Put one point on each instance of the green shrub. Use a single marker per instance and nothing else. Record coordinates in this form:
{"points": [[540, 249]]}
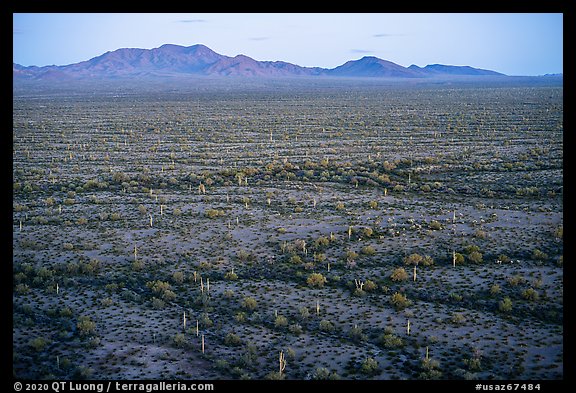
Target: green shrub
{"points": [[399, 274], [86, 327], [316, 280], [505, 305], [249, 303], [232, 340], [389, 340], [399, 301], [326, 326], [38, 343], [369, 366]]}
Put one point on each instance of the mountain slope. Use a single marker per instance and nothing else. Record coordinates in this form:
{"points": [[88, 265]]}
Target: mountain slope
{"points": [[441, 69], [370, 66], [198, 60]]}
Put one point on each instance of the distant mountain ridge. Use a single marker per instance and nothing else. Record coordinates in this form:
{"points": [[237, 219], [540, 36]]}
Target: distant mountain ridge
{"points": [[171, 60]]}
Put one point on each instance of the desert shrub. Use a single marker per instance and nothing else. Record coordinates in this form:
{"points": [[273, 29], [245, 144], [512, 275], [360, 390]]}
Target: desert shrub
{"points": [[162, 289], [413, 259], [275, 376], [373, 204], [505, 305], [22, 289], [430, 369], [559, 232], [457, 319], [303, 313], [369, 366], [503, 258], [435, 225], [244, 255], [339, 206], [178, 277], [475, 257], [495, 289], [316, 280], [158, 304], [399, 301], [530, 294], [249, 303], [232, 340], [368, 250], [539, 255], [213, 213], [326, 326], [142, 209], [179, 340], [480, 234], [356, 334], [205, 320], [38, 343], [367, 231], [459, 258], [295, 329], [389, 340], [295, 260], [515, 280], [322, 373], [427, 260], [370, 285], [231, 276], [321, 242], [86, 327], [351, 255], [399, 274], [280, 321], [471, 248]]}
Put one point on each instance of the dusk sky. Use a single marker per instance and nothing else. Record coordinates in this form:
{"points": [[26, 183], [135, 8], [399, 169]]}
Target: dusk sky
{"points": [[514, 44]]}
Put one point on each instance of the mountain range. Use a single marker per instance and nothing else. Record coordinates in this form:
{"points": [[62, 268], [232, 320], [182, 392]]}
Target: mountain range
{"points": [[198, 60]]}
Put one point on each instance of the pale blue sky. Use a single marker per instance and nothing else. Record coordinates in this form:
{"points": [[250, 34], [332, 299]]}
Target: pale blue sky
{"points": [[514, 44]]}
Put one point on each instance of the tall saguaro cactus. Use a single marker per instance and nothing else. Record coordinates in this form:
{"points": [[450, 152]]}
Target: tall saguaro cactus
{"points": [[282, 363]]}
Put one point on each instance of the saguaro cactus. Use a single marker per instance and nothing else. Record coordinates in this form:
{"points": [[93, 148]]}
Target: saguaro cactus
{"points": [[408, 328], [414, 272], [282, 363]]}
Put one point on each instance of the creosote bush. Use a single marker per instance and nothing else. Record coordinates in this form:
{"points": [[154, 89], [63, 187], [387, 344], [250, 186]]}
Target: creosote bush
{"points": [[316, 280], [399, 274]]}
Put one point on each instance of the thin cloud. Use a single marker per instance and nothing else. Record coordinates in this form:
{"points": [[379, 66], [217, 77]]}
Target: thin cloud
{"points": [[192, 20], [259, 38], [361, 51], [380, 35]]}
